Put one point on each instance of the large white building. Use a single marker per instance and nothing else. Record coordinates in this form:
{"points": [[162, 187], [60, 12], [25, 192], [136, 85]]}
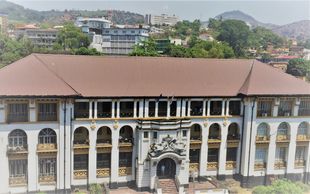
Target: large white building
{"points": [[70, 121], [162, 19]]}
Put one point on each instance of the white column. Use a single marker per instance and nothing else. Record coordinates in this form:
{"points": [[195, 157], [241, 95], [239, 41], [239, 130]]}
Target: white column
{"points": [[141, 108], [296, 107], [223, 107], [189, 107], [147, 108], [227, 107], [32, 160], [32, 111], [117, 109], [168, 108], [113, 109], [272, 149], [156, 109], [203, 152], [208, 110], [4, 162], [204, 111], [95, 108], [223, 151], [276, 107], [92, 157], [2, 111], [183, 108], [292, 149], [135, 109], [114, 158], [179, 108], [90, 109]]}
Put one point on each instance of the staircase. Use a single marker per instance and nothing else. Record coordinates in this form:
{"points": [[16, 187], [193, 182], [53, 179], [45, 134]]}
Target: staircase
{"points": [[168, 186]]}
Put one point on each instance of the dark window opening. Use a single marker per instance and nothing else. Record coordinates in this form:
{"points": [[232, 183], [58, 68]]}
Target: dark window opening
{"points": [[17, 112], [213, 155], [152, 108], [103, 160], [173, 109], [234, 107], [145, 134], [80, 162], [47, 112], [216, 107], [104, 109], [81, 110], [231, 154], [162, 108], [194, 155], [125, 159], [196, 108], [126, 109]]}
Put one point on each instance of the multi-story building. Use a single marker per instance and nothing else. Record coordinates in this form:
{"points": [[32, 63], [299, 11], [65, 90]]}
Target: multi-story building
{"points": [[162, 19], [70, 121], [3, 23]]}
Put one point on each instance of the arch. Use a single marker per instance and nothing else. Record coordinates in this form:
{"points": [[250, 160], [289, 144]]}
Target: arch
{"points": [[17, 138], [283, 129], [126, 134], [195, 132], [104, 135], [215, 131], [81, 136], [262, 130], [303, 129], [233, 131], [166, 168], [47, 136]]}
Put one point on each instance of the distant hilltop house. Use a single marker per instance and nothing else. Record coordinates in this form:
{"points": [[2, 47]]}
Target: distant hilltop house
{"points": [[206, 36], [162, 19], [3, 23], [39, 37], [112, 39]]}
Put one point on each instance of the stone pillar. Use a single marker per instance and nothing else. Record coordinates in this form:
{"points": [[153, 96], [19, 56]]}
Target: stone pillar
{"points": [[276, 107], [32, 111], [2, 111], [296, 106], [135, 109], [118, 109], [92, 156], [227, 108], [223, 107], [114, 158], [183, 107], [189, 107], [203, 152], [141, 108], [292, 149], [272, 149], [208, 110], [179, 108], [113, 108], [168, 108], [156, 108], [32, 139], [95, 109], [204, 111], [223, 151], [90, 109]]}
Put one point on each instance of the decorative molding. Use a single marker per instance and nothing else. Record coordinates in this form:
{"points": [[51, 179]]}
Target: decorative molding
{"points": [[168, 144]]}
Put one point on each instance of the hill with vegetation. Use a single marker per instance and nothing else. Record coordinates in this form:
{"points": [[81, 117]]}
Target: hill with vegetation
{"points": [[19, 14]]}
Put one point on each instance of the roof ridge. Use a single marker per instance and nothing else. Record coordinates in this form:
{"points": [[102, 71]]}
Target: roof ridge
{"points": [[246, 84], [55, 74]]}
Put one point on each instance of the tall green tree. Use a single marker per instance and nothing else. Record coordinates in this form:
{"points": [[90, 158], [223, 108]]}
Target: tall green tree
{"points": [[299, 67], [145, 48]]}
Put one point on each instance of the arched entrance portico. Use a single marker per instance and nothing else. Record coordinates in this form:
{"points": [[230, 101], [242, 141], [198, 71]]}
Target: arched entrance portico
{"points": [[166, 168]]}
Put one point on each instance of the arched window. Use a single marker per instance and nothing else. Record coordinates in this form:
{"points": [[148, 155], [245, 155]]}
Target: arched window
{"points": [[47, 136], [104, 135], [18, 138], [81, 136], [233, 131], [303, 129], [283, 129], [126, 134], [195, 132], [262, 130], [215, 131]]}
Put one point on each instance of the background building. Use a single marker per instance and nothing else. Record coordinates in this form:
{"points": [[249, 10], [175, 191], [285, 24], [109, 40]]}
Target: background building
{"points": [[163, 19], [3, 23]]}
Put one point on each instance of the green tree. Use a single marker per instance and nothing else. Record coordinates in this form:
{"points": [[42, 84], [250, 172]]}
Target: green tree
{"points": [[145, 48], [299, 67], [71, 37], [96, 189], [87, 51], [279, 187], [236, 34]]}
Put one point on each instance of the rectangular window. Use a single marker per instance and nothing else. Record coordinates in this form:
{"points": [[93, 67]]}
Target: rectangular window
{"points": [[232, 154], [173, 109], [47, 167], [125, 159], [17, 112], [234, 107], [81, 110], [145, 135], [216, 107], [80, 162], [184, 133], [18, 168], [162, 108], [281, 154], [300, 153], [261, 155], [137, 109], [196, 108], [285, 107], [154, 135], [264, 107], [304, 107], [103, 160], [104, 109], [47, 112], [126, 109], [213, 155], [194, 155]]}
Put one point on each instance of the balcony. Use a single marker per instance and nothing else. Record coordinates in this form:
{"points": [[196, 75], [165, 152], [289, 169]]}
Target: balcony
{"points": [[283, 138], [303, 138], [195, 141], [262, 139], [260, 166], [17, 117], [81, 114], [280, 164], [233, 140], [104, 143], [23, 149], [103, 172], [230, 165], [300, 163], [104, 115], [263, 113], [212, 166], [126, 142], [124, 171], [214, 140], [80, 174], [18, 181], [52, 147], [47, 179], [47, 116], [193, 167], [80, 144]]}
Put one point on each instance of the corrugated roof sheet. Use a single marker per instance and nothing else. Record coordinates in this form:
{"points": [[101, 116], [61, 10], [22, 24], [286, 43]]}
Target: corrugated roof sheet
{"points": [[92, 76]]}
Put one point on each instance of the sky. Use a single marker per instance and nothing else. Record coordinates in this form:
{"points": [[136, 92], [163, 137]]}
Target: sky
{"points": [[274, 11]]}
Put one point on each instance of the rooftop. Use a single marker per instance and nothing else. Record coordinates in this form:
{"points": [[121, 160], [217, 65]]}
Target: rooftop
{"points": [[110, 76]]}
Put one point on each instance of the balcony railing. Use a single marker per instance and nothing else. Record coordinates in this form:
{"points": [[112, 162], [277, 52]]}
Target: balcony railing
{"points": [[230, 165], [126, 114], [260, 165], [279, 164], [264, 113], [285, 113], [17, 117], [304, 112], [50, 147], [300, 163], [18, 180], [80, 174], [124, 171], [212, 165], [283, 138], [47, 178], [81, 144], [216, 111], [214, 139], [196, 113], [126, 142], [104, 115], [262, 139], [193, 167], [47, 116], [17, 149], [303, 138], [235, 137], [103, 172], [81, 114]]}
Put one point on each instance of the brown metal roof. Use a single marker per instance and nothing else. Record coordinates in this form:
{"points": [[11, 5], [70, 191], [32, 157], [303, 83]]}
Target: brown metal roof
{"points": [[91, 76]]}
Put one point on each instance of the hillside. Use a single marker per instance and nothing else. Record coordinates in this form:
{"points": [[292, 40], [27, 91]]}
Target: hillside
{"points": [[18, 14]]}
